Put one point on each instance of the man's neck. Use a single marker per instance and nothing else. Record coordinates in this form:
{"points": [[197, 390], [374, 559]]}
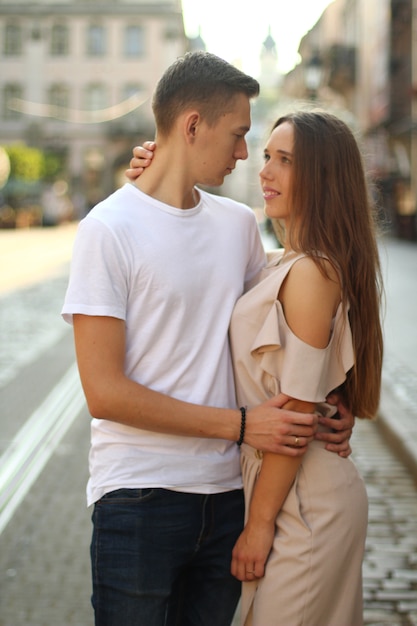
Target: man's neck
{"points": [[168, 180]]}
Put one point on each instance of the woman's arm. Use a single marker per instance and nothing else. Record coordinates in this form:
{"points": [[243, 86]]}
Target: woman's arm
{"points": [[276, 476], [309, 301]]}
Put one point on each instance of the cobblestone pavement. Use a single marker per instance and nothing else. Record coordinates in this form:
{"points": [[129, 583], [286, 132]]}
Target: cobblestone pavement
{"points": [[390, 565], [30, 324], [44, 562]]}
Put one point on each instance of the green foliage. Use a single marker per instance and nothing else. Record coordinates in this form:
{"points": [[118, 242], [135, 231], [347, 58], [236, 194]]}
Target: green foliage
{"points": [[52, 165], [26, 164]]}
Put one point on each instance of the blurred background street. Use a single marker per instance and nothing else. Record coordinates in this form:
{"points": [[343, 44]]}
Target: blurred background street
{"points": [[76, 84]]}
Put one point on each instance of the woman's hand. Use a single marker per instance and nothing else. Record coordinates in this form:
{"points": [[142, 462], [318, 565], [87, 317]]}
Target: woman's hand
{"points": [[142, 157], [342, 427], [252, 550]]}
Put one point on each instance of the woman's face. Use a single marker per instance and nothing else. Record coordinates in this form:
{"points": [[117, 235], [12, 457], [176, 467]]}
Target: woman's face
{"points": [[276, 174]]}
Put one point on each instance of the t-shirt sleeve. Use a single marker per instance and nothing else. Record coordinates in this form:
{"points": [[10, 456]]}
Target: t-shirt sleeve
{"points": [[303, 372], [98, 275]]}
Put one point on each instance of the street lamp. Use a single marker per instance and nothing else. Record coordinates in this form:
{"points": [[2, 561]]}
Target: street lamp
{"points": [[312, 75]]}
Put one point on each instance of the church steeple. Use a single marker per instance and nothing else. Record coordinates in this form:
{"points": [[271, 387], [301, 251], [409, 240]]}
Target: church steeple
{"points": [[269, 46]]}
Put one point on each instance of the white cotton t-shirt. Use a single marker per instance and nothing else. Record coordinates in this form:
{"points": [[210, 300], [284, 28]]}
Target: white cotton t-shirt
{"points": [[174, 276]]}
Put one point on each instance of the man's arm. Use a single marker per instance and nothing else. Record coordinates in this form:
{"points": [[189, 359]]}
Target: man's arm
{"points": [[100, 347]]}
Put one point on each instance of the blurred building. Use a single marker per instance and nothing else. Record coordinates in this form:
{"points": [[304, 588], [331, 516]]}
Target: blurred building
{"points": [[77, 77], [360, 59]]}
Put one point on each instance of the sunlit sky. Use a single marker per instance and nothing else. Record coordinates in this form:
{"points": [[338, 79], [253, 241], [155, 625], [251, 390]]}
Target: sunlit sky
{"points": [[235, 29]]}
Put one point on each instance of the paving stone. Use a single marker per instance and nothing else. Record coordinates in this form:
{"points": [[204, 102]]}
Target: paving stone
{"points": [[394, 584], [382, 618], [412, 618], [410, 575], [397, 596], [407, 607]]}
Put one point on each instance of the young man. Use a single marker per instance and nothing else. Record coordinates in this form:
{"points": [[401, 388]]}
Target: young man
{"points": [[157, 268]]}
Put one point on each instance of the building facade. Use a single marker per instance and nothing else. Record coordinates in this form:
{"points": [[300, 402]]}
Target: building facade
{"points": [[367, 53], [77, 77]]}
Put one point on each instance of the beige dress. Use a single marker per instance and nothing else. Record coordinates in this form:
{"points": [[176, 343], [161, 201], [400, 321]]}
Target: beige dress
{"points": [[313, 574]]}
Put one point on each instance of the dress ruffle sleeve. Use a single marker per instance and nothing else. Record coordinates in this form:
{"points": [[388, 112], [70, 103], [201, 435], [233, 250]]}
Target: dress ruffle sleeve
{"points": [[303, 372]]}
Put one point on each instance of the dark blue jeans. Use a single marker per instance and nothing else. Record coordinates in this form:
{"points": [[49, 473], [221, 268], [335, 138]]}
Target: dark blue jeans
{"points": [[162, 558]]}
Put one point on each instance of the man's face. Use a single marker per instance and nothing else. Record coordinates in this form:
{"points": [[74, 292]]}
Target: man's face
{"points": [[219, 147]]}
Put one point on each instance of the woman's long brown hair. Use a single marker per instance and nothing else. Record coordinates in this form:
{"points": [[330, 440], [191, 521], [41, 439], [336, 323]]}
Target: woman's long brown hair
{"points": [[332, 214]]}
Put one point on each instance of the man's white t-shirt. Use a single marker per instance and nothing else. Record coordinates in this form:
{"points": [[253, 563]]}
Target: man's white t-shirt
{"points": [[174, 276]]}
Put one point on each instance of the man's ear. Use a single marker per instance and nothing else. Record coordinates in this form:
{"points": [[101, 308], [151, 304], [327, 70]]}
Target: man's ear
{"points": [[191, 125]]}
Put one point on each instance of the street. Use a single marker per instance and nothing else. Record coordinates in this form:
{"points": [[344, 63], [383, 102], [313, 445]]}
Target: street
{"points": [[44, 522]]}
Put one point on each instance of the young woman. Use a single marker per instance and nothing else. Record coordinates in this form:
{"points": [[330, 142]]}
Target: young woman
{"points": [[310, 326]]}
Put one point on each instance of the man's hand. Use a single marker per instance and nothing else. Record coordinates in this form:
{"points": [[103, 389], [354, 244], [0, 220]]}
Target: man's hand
{"points": [[142, 158], [342, 426], [272, 429]]}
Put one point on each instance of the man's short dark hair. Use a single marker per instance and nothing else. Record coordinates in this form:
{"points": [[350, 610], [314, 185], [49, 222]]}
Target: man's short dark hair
{"points": [[203, 80]]}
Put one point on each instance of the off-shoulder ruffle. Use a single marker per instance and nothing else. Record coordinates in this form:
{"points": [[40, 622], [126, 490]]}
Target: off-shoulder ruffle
{"points": [[306, 373]]}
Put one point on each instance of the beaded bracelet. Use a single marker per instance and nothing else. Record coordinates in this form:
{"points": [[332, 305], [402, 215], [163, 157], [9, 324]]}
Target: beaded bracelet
{"points": [[242, 426]]}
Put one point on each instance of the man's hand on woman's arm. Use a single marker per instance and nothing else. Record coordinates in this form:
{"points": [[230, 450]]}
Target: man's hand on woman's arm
{"points": [[290, 435]]}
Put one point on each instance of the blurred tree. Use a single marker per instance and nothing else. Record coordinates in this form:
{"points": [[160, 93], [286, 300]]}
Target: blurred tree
{"points": [[24, 185], [31, 169], [53, 165], [26, 164]]}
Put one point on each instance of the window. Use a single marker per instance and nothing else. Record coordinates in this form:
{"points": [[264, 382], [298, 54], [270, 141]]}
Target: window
{"points": [[12, 40], [59, 40], [96, 41], [11, 92], [59, 98], [95, 97], [134, 41]]}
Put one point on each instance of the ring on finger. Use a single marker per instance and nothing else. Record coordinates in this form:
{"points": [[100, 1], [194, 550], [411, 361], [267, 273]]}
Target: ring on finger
{"points": [[297, 440]]}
